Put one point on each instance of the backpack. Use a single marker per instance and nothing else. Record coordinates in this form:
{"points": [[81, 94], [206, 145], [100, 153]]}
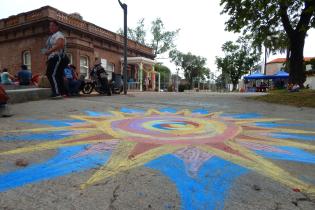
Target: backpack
{"points": [[65, 60]]}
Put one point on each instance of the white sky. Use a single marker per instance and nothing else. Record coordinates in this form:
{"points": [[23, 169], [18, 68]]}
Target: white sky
{"points": [[202, 27]]}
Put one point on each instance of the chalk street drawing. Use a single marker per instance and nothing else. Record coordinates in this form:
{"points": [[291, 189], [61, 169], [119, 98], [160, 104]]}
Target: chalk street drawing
{"points": [[201, 152]]}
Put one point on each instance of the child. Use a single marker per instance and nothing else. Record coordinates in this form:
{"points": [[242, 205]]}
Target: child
{"points": [[6, 77]]}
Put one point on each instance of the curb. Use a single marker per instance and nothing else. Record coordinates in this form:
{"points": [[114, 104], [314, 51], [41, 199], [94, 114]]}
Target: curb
{"points": [[29, 94]]}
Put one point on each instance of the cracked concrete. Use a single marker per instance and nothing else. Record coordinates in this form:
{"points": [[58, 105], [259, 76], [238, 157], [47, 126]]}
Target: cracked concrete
{"points": [[143, 188]]}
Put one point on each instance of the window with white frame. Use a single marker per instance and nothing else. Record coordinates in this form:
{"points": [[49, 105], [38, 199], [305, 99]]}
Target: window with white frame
{"points": [[27, 59], [84, 66], [110, 67], [70, 57]]}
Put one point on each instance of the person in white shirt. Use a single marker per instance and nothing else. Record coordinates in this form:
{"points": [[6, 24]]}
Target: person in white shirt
{"points": [[55, 50], [295, 88]]}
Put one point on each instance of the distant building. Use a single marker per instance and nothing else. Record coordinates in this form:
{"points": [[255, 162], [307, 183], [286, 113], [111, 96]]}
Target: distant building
{"points": [[278, 63], [23, 35]]}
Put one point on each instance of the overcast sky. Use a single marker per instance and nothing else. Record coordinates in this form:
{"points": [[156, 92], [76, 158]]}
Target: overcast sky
{"points": [[202, 27]]}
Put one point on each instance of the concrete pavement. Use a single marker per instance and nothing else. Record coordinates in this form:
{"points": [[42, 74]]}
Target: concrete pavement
{"points": [[223, 151]]}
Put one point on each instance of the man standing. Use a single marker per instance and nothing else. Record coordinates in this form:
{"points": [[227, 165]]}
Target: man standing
{"points": [[55, 64]]}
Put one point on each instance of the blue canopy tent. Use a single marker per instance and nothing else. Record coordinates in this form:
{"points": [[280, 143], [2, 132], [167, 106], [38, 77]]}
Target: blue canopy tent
{"points": [[280, 75], [257, 76], [280, 79]]}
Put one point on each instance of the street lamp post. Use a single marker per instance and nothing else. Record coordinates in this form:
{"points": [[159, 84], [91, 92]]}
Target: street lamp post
{"points": [[265, 64], [124, 7], [177, 70]]}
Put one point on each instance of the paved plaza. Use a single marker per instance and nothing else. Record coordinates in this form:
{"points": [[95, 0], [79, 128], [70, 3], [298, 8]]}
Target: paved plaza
{"points": [[157, 151]]}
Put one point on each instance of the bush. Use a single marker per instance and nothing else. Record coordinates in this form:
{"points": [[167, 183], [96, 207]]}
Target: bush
{"points": [[183, 87]]}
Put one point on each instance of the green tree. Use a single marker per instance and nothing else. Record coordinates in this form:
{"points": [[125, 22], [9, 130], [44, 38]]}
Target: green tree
{"points": [[165, 74], [266, 18], [138, 34], [238, 60], [193, 66], [162, 40], [220, 81]]}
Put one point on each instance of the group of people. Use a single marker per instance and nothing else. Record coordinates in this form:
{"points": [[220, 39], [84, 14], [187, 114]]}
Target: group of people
{"points": [[23, 77], [62, 77]]}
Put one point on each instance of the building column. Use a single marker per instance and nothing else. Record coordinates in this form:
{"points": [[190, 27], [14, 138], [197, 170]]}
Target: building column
{"points": [[140, 75], [159, 81], [153, 78]]}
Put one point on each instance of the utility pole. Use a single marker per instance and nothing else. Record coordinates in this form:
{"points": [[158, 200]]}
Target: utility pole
{"points": [[124, 7]]}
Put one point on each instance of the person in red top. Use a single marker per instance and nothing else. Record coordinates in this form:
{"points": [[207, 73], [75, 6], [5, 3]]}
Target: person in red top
{"points": [[4, 110]]}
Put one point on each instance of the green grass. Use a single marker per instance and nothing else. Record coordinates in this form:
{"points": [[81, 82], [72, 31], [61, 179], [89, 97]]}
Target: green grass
{"points": [[304, 98]]}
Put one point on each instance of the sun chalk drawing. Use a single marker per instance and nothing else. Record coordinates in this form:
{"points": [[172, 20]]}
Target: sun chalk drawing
{"points": [[292, 136], [60, 165], [97, 114], [55, 123], [193, 159], [201, 152], [208, 188]]}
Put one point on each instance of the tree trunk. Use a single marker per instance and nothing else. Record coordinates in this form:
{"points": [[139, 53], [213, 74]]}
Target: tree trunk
{"points": [[191, 83], [234, 85], [288, 53], [296, 62]]}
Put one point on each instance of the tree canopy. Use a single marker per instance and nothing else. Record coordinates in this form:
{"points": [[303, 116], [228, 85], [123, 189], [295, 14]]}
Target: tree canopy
{"points": [[194, 66], [239, 58], [162, 39], [277, 24], [138, 34]]}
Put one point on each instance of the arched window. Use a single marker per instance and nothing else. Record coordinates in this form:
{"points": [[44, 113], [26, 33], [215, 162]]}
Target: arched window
{"points": [[84, 66], [70, 57], [27, 59]]}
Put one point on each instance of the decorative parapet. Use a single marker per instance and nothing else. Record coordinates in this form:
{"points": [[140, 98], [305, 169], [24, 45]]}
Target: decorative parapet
{"points": [[100, 31], [22, 18], [12, 21], [65, 18], [93, 29], [52, 13], [34, 15]]}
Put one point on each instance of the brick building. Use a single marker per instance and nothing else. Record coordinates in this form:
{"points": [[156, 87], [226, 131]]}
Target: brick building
{"points": [[23, 35], [278, 63]]}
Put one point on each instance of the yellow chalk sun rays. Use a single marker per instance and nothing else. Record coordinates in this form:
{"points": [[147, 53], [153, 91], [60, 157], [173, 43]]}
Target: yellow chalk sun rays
{"points": [[120, 160]]}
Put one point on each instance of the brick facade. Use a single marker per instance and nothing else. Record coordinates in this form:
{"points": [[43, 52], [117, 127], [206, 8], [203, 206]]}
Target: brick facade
{"points": [[29, 32]]}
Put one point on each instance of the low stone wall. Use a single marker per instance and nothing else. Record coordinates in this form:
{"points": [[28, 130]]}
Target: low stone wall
{"points": [[310, 80], [28, 94]]}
